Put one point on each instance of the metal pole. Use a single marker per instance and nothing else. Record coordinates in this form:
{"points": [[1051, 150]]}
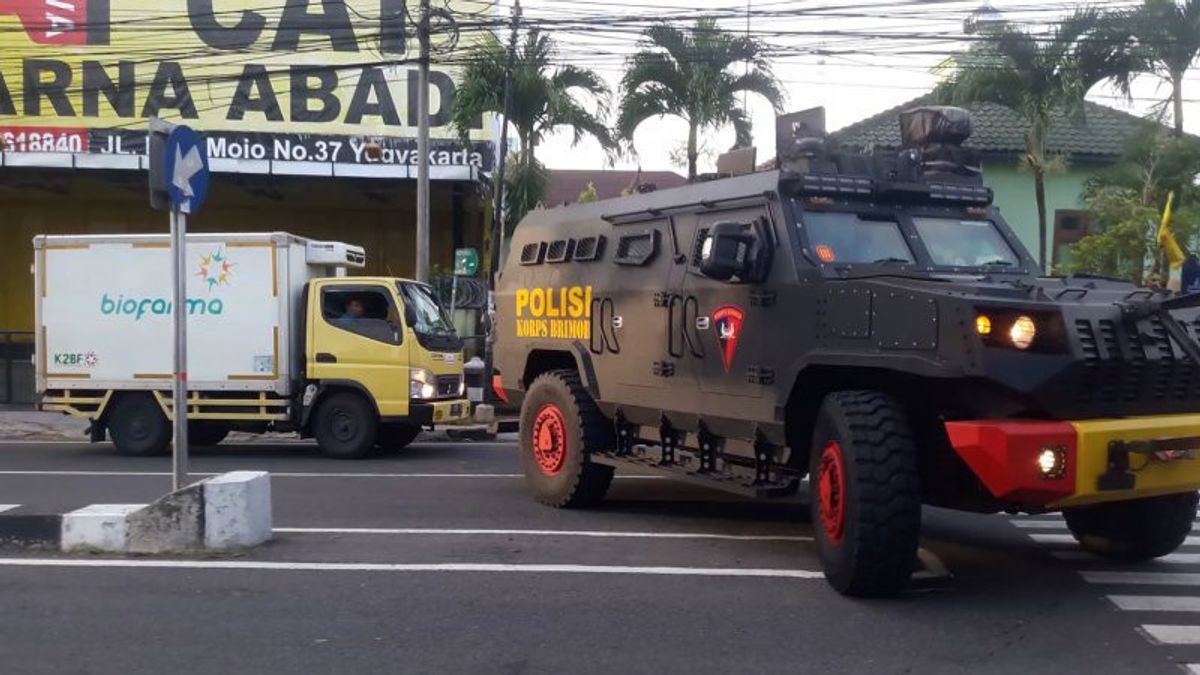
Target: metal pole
{"points": [[498, 206], [179, 379], [423, 147]]}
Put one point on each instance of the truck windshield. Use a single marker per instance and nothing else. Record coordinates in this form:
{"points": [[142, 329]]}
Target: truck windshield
{"points": [[850, 238], [965, 243], [427, 318]]}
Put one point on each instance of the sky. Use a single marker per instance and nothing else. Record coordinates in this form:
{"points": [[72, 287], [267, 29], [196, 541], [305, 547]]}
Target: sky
{"points": [[856, 59]]}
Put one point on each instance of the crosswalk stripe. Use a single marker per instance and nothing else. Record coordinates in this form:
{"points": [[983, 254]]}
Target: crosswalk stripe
{"points": [[1156, 603], [1169, 559], [8, 507], [1068, 539], [1041, 524], [1143, 578], [1192, 668], [1172, 635]]}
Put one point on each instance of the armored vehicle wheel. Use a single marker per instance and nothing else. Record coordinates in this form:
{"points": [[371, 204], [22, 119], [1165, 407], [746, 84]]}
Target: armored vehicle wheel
{"points": [[138, 426], [206, 434], [560, 424], [345, 426], [1135, 530], [866, 500], [397, 436]]}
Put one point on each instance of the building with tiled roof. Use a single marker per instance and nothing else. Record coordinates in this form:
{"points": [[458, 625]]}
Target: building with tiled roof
{"points": [[1087, 146]]}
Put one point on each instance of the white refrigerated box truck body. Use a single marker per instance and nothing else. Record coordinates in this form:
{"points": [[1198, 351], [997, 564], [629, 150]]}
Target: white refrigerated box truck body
{"points": [[104, 309]]}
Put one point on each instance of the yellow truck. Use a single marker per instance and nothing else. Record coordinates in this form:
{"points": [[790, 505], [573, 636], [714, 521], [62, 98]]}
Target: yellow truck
{"points": [[280, 339]]}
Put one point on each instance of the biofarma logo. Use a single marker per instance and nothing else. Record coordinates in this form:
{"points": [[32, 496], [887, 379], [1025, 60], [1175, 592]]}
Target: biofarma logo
{"points": [[215, 271]]}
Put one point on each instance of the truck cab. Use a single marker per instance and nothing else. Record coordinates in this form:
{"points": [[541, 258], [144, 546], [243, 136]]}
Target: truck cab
{"points": [[279, 339], [864, 331]]}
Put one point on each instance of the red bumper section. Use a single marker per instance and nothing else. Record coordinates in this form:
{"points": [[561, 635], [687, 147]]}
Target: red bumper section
{"points": [[1005, 456]]}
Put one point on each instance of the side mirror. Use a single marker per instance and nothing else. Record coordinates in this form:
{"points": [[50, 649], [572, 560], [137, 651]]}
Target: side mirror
{"points": [[725, 254]]}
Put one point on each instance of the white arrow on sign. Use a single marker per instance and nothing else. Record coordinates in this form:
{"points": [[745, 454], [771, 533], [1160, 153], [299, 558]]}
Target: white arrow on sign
{"points": [[185, 168]]}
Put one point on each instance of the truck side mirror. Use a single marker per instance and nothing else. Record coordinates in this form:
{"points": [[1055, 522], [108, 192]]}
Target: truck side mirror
{"points": [[725, 254]]}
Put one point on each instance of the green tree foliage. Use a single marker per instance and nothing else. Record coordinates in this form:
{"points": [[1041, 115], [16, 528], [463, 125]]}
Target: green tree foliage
{"points": [[1161, 38], [589, 195], [699, 75], [1125, 203], [1035, 75], [543, 100]]}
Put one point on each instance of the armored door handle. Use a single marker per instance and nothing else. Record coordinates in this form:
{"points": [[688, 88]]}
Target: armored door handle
{"points": [[324, 357], [703, 323]]}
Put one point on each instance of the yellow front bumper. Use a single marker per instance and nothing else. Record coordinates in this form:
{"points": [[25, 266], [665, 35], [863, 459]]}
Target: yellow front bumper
{"points": [[1150, 476], [441, 412]]}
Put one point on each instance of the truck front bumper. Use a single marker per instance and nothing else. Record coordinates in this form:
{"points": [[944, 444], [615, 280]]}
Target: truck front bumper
{"points": [[1063, 464], [439, 412]]}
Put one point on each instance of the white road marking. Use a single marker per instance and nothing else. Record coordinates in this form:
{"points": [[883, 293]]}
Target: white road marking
{"points": [[1192, 668], [1172, 635], [1040, 524], [538, 533], [1068, 539], [294, 474], [1143, 578], [1156, 603], [389, 567], [8, 507], [1169, 559]]}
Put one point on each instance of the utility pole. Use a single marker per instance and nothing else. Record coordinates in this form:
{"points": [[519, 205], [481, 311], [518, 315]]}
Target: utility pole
{"points": [[423, 146], [498, 193]]}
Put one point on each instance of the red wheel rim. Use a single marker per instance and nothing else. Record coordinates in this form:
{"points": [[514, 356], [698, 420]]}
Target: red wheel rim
{"points": [[831, 492], [550, 439]]}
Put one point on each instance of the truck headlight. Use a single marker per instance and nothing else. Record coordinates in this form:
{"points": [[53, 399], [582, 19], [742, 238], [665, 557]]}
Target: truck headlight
{"points": [[1022, 333], [422, 384]]}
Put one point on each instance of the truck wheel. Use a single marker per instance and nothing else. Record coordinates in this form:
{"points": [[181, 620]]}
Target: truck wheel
{"points": [[866, 498], [206, 434], [560, 425], [138, 427], [1136, 530], [345, 426], [397, 436]]}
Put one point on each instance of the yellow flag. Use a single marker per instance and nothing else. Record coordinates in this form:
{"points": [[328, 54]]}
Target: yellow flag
{"points": [[1166, 238]]}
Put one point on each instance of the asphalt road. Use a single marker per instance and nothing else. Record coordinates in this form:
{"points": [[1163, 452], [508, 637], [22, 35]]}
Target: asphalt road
{"points": [[433, 560]]}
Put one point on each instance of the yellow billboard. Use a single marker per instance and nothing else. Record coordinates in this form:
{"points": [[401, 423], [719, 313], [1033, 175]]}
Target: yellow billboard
{"points": [[280, 80]]}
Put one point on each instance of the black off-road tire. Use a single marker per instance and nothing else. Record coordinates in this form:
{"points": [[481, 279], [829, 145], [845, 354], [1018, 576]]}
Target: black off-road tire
{"points": [[1137, 530], [138, 427], [396, 436], [560, 411], [868, 547], [206, 434], [345, 426]]}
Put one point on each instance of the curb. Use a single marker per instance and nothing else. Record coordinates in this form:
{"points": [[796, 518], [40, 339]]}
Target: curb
{"points": [[230, 511]]}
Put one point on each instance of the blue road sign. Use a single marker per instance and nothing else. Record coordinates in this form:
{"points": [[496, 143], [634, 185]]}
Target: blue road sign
{"points": [[186, 169]]}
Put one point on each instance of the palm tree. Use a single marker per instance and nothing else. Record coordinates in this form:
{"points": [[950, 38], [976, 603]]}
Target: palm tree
{"points": [[1039, 76], [691, 74], [1163, 39], [543, 100]]}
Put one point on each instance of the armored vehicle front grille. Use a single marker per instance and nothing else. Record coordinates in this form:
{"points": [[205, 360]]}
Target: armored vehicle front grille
{"points": [[1125, 363]]}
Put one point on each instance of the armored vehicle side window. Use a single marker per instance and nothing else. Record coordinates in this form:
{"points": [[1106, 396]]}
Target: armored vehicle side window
{"points": [[965, 243], [849, 238], [366, 311], [637, 248], [533, 254]]}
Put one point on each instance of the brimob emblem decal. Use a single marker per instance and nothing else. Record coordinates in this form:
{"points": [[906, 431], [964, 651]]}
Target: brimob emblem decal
{"points": [[728, 320]]}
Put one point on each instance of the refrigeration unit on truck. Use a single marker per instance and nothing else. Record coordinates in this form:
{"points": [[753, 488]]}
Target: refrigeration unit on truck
{"points": [[279, 339]]}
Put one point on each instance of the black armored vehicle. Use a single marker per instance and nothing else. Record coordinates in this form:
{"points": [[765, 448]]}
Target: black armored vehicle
{"points": [[869, 322]]}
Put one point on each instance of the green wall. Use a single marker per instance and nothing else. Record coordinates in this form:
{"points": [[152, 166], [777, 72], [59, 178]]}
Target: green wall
{"points": [[1015, 197]]}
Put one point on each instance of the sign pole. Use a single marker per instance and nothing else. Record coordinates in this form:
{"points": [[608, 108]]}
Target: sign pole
{"points": [[179, 380]]}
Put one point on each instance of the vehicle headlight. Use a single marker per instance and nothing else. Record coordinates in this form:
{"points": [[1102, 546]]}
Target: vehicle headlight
{"points": [[422, 384], [1022, 333]]}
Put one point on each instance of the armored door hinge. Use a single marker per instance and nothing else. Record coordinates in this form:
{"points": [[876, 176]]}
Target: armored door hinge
{"points": [[760, 375], [662, 299], [762, 298], [664, 369]]}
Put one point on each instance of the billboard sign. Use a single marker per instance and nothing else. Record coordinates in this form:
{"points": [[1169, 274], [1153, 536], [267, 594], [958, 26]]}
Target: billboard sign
{"points": [[295, 81]]}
